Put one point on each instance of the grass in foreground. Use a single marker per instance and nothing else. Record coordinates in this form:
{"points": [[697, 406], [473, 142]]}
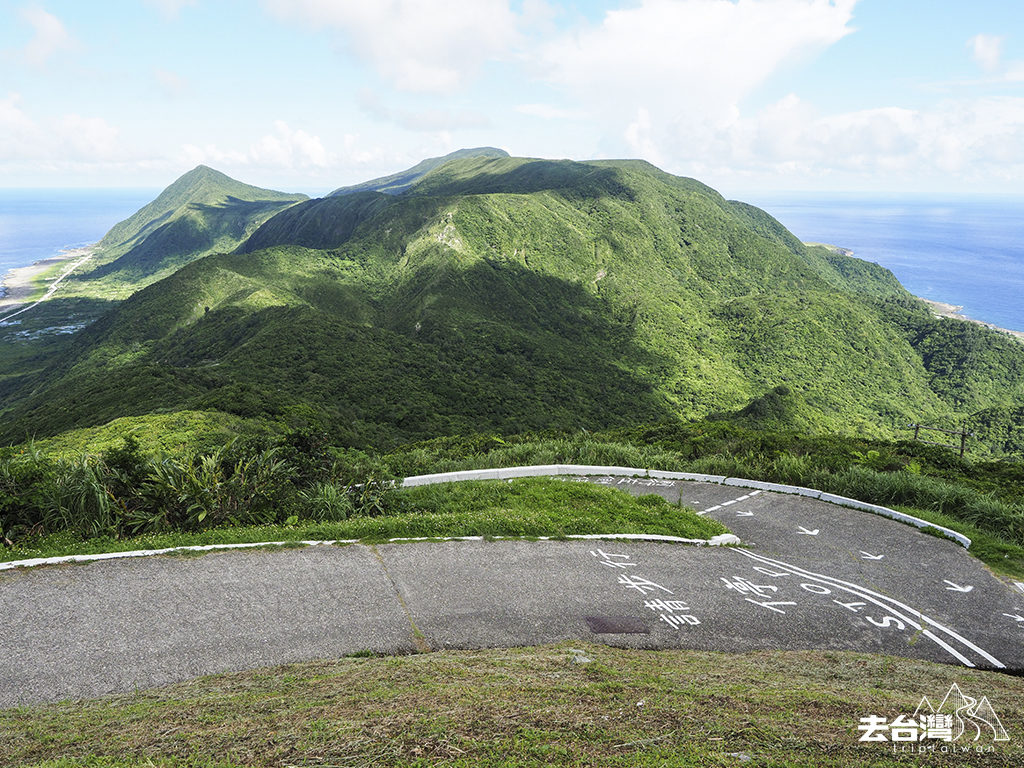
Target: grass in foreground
{"points": [[524, 507], [518, 707]]}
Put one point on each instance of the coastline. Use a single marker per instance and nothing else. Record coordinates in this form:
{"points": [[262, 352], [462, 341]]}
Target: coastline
{"points": [[938, 308], [952, 311], [21, 284]]}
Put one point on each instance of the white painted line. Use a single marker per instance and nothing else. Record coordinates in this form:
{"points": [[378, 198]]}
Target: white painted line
{"points": [[953, 587], [939, 641], [877, 599], [721, 539], [167, 550]]}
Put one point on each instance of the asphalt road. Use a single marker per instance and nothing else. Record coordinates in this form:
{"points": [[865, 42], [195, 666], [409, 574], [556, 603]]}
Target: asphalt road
{"points": [[813, 575]]}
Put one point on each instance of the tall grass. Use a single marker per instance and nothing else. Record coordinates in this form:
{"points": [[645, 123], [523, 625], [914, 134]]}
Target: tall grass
{"points": [[123, 492], [300, 477]]}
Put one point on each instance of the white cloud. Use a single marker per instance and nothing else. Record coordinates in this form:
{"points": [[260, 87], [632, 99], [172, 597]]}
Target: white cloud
{"points": [[49, 36], [970, 140], [170, 8], [285, 148], [549, 112], [87, 138], [14, 123], [987, 51], [418, 45], [171, 84], [687, 59], [290, 148], [639, 139], [65, 141], [428, 119]]}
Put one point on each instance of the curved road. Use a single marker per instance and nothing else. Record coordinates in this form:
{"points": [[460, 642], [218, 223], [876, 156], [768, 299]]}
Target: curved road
{"points": [[813, 575]]}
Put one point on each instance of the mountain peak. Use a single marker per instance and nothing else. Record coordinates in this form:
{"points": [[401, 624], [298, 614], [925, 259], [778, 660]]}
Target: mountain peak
{"points": [[397, 183], [202, 185]]}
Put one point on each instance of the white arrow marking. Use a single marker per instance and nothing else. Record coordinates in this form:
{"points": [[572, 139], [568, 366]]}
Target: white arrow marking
{"points": [[1015, 616], [956, 587], [809, 533], [869, 556], [744, 514]]}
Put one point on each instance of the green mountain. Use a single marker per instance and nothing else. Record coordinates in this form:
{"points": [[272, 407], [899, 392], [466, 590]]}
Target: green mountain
{"points": [[514, 295], [202, 212], [399, 182]]}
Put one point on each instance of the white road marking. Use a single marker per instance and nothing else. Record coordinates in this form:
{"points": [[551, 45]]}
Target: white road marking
{"points": [[769, 605], [729, 503], [854, 606], [953, 587], [744, 514], [869, 556], [1020, 585], [807, 532], [1015, 616], [877, 599]]}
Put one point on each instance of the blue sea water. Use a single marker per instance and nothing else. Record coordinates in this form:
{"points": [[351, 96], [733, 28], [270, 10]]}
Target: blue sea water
{"points": [[38, 223], [968, 252]]}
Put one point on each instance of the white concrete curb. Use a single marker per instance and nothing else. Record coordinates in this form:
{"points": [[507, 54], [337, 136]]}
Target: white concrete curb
{"points": [[542, 470], [722, 539], [658, 474]]}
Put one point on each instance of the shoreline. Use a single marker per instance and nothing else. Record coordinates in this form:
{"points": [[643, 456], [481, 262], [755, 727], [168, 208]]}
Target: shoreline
{"points": [[20, 284], [952, 311], [938, 308]]}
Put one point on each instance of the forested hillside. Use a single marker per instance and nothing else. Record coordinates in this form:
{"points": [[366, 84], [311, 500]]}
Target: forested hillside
{"points": [[202, 212], [506, 294]]}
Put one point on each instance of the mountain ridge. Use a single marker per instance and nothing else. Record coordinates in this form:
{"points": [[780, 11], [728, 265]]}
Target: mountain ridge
{"points": [[201, 212], [524, 294], [397, 183]]}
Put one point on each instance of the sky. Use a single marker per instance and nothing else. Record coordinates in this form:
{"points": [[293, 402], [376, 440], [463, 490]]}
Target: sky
{"points": [[875, 96]]}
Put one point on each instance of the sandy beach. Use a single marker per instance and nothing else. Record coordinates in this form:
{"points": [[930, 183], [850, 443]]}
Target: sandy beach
{"points": [[18, 285]]}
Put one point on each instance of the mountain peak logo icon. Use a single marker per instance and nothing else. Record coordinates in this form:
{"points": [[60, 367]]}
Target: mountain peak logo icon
{"points": [[971, 717]]}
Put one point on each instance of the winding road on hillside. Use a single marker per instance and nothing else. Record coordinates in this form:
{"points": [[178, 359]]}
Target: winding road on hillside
{"points": [[812, 575]]}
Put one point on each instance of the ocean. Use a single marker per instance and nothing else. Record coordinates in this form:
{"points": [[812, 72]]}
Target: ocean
{"points": [[38, 223], [968, 252]]}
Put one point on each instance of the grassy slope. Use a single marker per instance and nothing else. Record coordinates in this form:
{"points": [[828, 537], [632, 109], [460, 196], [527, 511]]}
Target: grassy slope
{"points": [[202, 212], [517, 707], [522, 508]]}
